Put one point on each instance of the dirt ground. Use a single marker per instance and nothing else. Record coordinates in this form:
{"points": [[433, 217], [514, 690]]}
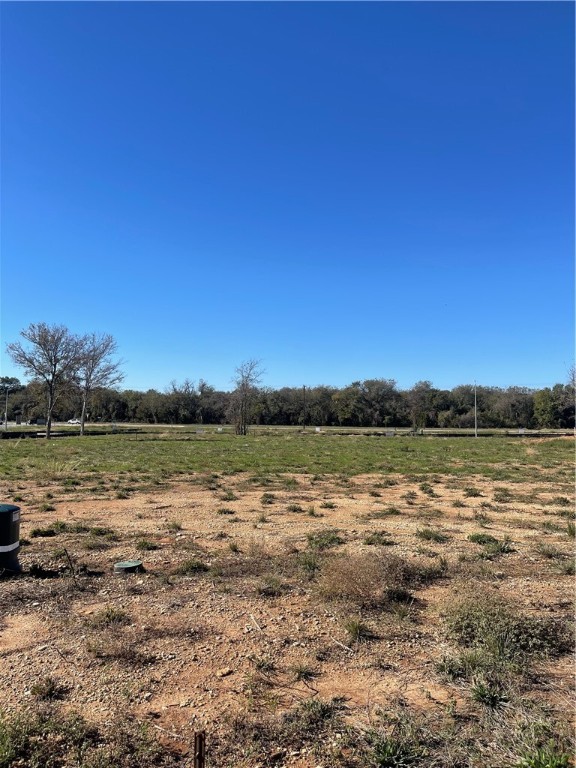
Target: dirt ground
{"points": [[243, 629]]}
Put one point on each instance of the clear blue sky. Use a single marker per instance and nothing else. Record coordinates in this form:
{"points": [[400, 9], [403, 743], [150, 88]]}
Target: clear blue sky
{"points": [[342, 190]]}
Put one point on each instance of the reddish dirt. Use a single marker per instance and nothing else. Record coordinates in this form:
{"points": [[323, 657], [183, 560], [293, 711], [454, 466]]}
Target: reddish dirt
{"points": [[194, 648]]}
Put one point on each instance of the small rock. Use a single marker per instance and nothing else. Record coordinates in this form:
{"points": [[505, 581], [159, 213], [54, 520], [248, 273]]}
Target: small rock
{"points": [[224, 672]]}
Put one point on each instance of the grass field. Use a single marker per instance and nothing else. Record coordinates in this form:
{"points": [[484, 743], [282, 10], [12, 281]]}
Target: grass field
{"points": [[332, 599], [168, 453]]}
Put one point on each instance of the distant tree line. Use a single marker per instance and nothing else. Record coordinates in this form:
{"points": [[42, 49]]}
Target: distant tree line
{"points": [[75, 376], [371, 403]]}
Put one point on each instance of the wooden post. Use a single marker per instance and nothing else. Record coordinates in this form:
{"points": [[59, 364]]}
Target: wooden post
{"points": [[200, 749]]}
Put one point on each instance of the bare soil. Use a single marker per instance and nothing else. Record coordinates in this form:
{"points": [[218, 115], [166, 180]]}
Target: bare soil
{"points": [[252, 632]]}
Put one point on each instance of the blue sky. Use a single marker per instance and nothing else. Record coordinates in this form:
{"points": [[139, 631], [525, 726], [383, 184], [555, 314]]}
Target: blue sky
{"points": [[341, 190]]}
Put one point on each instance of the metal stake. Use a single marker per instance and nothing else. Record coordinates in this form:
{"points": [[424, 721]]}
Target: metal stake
{"points": [[200, 749]]}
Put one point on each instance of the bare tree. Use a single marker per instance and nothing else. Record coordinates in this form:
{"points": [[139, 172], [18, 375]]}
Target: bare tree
{"points": [[247, 379], [97, 368], [52, 355]]}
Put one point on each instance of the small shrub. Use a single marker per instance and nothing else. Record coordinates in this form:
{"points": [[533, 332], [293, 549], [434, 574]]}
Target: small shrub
{"points": [[388, 482], [267, 498], [45, 507], [36, 533], [95, 543], [565, 567], [465, 666], [489, 692], [271, 586], [144, 545], [410, 497], [393, 752], [327, 505], [309, 562], [471, 492], [399, 595], [426, 572], [295, 508], [502, 495], [263, 664], [363, 580], [497, 548], [326, 539], [357, 630], [109, 616], [482, 538], [561, 501], [49, 738], [122, 494], [313, 713], [47, 689], [458, 503], [225, 511], [44, 737], [100, 530], [174, 526], [304, 673], [547, 551], [71, 482], [118, 647], [428, 534], [190, 567], [380, 514], [229, 496], [375, 494], [494, 624], [482, 518], [77, 527], [428, 490], [378, 538]]}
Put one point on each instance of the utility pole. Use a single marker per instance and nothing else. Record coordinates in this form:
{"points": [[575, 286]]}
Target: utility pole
{"points": [[475, 412], [7, 387], [304, 401]]}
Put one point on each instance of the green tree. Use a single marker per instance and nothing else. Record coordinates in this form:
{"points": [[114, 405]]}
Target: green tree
{"points": [[545, 412], [419, 400]]}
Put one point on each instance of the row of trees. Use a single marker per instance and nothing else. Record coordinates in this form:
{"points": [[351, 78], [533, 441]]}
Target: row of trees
{"points": [[75, 376]]}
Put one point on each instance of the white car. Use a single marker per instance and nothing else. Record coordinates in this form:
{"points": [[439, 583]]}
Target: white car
{"points": [[74, 421]]}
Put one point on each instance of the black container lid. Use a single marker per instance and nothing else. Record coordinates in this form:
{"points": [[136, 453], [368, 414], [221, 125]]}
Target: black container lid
{"points": [[8, 508]]}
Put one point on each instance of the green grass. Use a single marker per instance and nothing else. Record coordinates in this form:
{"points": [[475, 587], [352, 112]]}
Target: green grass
{"points": [[51, 738], [429, 534], [482, 538], [499, 627], [157, 456]]}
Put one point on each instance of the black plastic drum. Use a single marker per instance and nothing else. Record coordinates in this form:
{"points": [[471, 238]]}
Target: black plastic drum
{"points": [[9, 537]]}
